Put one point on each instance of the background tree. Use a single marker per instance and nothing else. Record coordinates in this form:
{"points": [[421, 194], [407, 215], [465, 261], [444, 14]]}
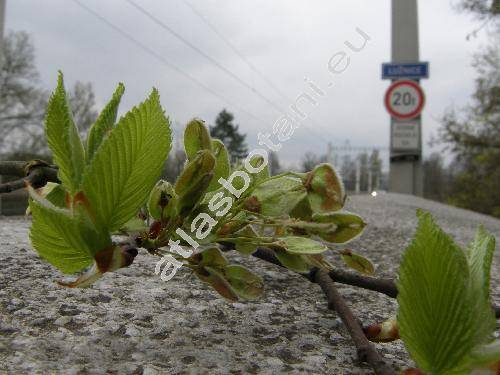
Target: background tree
{"points": [[82, 102], [481, 8], [175, 162], [435, 179], [473, 135], [363, 170], [23, 100], [225, 130], [310, 160], [274, 164], [348, 172], [376, 169]]}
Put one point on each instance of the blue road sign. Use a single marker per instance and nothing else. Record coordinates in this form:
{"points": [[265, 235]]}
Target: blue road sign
{"points": [[405, 70]]}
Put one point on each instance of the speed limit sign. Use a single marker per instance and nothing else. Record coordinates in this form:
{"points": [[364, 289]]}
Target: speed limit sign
{"points": [[404, 99]]}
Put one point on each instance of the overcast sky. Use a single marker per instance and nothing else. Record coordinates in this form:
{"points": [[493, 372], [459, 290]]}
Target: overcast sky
{"points": [[285, 40]]}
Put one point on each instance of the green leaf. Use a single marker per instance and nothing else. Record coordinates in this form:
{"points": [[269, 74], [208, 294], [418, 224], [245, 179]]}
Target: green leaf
{"points": [[63, 139], [300, 245], [294, 262], [245, 283], [127, 164], [52, 192], [256, 161], [236, 223], [318, 260], [276, 197], [65, 241], [212, 257], [325, 190], [104, 123], [134, 225], [246, 246], [357, 262], [436, 312], [196, 138], [348, 226], [480, 255], [217, 280], [222, 164], [302, 210], [193, 182], [56, 194]]}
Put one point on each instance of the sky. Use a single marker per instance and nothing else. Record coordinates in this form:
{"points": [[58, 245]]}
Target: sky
{"points": [[288, 42]]}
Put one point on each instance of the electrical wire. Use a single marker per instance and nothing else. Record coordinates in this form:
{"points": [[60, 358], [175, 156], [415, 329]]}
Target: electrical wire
{"points": [[165, 61]]}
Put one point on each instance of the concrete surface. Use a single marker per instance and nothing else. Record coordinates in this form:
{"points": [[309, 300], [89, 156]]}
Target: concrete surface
{"points": [[131, 322]]}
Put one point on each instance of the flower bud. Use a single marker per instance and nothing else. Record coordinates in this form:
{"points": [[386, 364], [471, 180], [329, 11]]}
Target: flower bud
{"points": [[159, 199]]}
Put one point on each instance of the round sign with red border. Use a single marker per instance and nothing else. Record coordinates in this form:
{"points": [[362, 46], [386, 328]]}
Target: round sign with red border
{"points": [[404, 99]]}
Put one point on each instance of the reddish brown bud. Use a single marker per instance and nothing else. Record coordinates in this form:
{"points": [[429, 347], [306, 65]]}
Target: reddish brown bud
{"points": [[412, 371], [155, 229], [382, 332]]}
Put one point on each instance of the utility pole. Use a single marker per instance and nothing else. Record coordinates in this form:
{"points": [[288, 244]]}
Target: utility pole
{"points": [[2, 25], [358, 175], [369, 189], [2, 22], [406, 172]]}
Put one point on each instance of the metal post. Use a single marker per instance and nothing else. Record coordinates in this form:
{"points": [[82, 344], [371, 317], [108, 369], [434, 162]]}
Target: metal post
{"points": [[406, 174], [369, 181]]}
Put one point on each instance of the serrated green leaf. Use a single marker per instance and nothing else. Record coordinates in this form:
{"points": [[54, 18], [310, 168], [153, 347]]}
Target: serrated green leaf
{"points": [[63, 139], [222, 164], [300, 245], [56, 195], [480, 255], [104, 123], [348, 226], [127, 164], [196, 138], [244, 282], [436, 314], [63, 240], [134, 225], [357, 262]]}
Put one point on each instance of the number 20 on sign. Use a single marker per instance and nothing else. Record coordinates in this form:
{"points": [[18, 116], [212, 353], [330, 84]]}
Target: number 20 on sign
{"points": [[404, 99]]}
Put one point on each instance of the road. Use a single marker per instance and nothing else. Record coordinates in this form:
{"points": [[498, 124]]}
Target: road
{"points": [[131, 322]]}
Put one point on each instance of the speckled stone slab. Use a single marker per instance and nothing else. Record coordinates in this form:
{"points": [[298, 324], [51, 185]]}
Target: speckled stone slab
{"points": [[131, 322]]}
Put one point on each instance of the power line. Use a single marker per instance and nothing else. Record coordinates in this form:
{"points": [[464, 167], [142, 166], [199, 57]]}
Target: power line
{"points": [[204, 54], [250, 65], [236, 51], [163, 60], [221, 67], [178, 70]]}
